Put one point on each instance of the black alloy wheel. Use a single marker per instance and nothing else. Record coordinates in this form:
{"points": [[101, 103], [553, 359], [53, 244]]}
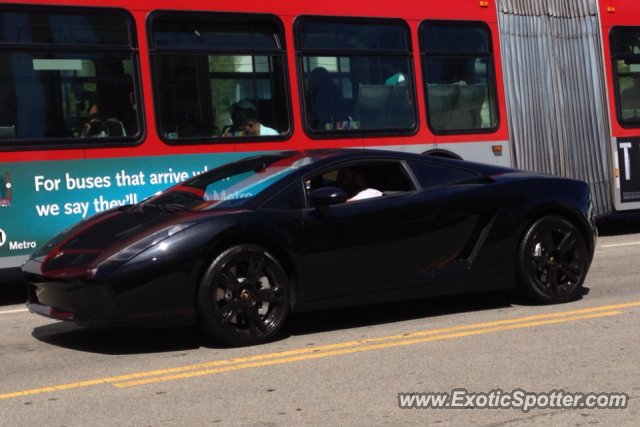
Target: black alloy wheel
{"points": [[243, 297], [552, 260]]}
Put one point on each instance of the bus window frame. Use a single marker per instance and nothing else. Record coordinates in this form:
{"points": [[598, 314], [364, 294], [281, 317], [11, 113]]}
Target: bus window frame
{"points": [[236, 17], [337, 53], [131, 49], [614, 70], [492, 80]]}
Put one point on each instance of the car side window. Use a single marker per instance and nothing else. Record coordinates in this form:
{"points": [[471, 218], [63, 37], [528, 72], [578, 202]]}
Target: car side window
{"points": [[432, 175], [382, 178], [290, 199]]}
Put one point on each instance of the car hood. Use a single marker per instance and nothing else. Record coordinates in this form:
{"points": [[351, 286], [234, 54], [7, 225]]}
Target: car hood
{"points": [[117, 234]]}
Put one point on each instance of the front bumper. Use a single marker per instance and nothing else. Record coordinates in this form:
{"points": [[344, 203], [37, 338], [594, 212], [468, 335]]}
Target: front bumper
{"points": [[85, 304]]}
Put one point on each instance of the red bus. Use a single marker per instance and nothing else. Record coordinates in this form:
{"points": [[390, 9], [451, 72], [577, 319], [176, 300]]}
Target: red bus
{"points": [[621, 30], [105, 103]]}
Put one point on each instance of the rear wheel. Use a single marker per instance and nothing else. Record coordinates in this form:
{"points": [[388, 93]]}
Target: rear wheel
{"points": [[552, 261], [243, 297]]}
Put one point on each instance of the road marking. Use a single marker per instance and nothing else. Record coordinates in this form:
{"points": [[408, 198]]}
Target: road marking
{"points": [[14, 311], [356, 350], [620, 244], [336, 349]]}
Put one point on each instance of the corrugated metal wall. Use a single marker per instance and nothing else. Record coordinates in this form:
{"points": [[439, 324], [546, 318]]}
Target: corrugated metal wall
{"points": [[555, 90]]}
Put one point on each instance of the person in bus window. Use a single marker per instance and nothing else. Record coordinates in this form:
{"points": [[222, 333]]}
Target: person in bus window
{"points": [[396, 79], [249, 119], [396, 71], [325, 99], [101, 125], [235, 112]]}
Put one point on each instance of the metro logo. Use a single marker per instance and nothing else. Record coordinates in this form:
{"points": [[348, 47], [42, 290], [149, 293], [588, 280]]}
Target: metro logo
{"points": [[21, 245], [3, 237]]}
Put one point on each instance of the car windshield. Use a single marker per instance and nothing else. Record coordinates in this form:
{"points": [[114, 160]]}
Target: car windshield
{"points": [[229, 185]]}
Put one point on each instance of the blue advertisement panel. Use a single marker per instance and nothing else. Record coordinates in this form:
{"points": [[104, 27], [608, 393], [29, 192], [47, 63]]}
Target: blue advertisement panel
{"points": [[39, 199]]}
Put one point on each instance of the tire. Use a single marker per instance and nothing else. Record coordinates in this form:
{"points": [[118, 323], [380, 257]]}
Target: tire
{"points": [[552, 261], [243, 298]]}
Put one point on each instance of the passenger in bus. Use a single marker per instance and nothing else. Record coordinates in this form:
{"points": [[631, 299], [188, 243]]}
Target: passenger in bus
{"points": [[353, 180], [249, 119], [325, 99], [456, 71], [235, 111], [396, 79], [101, 125], [396, 71]]}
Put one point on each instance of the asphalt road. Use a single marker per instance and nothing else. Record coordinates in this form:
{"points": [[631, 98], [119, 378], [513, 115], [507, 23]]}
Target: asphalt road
{"points": [[341, 367]]}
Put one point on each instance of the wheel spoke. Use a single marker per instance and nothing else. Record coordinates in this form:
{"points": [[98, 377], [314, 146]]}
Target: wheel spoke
{"points": [[552, 280], [271, 295], [568, 242], [547, 240], [252, 319], [231, 309], [254, 270], [570, 271], [227, 279]]}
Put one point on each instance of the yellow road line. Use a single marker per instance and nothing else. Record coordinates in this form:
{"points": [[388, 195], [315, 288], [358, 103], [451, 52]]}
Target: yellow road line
{"points": [[322, 351], [358, 349]]}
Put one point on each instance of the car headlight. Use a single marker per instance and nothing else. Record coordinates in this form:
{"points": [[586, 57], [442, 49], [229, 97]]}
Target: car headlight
{"points": [[146, 243]]}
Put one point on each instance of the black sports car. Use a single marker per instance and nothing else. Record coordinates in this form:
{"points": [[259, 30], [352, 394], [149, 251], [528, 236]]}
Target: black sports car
{"points": [[236, 248]]}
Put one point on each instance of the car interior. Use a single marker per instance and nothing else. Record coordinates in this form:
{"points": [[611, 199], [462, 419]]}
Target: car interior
{"points": [[386, 177]]}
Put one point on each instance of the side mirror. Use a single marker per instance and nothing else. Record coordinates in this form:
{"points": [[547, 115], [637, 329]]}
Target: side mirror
{"points": [[327, 196]]}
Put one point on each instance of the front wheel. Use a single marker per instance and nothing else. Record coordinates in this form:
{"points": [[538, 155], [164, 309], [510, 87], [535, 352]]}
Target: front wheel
{"points": [[552, 261], [243, 297]]}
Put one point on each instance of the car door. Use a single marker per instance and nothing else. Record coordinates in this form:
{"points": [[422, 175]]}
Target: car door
{"points": [[375, 244], [464, 200]]}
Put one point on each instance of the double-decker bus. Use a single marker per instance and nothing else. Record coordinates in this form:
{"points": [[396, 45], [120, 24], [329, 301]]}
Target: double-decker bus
{"points": [[103, 103]]}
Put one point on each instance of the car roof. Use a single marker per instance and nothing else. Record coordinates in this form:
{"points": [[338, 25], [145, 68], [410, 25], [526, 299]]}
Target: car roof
{"points": [[331, 155]]}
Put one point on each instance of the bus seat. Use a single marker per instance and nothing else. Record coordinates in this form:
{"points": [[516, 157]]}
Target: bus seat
{"points": [[400, 114], [466, 112], [441, 99], [372, 105], [7, 132]]}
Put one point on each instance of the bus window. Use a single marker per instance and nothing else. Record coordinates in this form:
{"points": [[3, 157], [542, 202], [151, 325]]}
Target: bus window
{"points": [[357, 75], [625, 49], [459, 76], [65, 73], [219, 75]]}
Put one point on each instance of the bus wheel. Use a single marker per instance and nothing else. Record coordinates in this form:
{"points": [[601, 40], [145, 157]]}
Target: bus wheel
{"points": [[243, 297], [552, 261]]}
